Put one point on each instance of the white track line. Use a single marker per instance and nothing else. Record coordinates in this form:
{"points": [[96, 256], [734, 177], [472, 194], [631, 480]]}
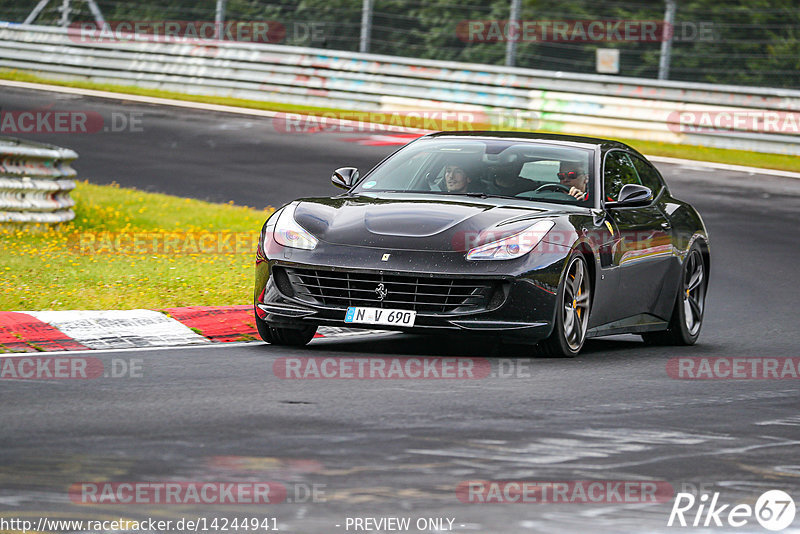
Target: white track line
{"points": [[191, 105], [724, 167], [68, 353], [139, 98], [270, 114], [354, 336]]}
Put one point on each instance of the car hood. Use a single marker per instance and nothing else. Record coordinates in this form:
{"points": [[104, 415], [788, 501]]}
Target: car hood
{"points": [[435, 224]]}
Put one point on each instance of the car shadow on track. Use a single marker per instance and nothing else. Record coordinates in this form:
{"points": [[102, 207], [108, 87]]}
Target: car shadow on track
{"points": [[621, 347]]}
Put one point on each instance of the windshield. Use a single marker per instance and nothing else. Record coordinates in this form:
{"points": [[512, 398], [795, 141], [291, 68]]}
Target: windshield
{"points": [[487, 167]]}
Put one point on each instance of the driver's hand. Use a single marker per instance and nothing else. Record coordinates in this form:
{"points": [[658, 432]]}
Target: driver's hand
{"points": [[577, 193]]}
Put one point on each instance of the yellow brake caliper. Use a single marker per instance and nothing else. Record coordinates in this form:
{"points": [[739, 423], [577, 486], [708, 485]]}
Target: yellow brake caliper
{"points": [[575, 302]]}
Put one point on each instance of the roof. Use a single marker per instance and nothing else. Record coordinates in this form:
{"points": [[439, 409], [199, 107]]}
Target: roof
{"points": [[606, 144]]}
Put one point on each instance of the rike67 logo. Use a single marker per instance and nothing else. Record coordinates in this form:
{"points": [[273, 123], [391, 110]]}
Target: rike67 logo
{"points": [[774, 510]]}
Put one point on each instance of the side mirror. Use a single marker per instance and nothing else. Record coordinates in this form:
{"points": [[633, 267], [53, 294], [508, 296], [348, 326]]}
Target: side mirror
{"points": [[344, 177], [632, 195]]}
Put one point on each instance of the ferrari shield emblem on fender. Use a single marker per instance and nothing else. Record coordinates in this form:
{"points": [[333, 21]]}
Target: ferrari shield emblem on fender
{"points": [[385, 257]]}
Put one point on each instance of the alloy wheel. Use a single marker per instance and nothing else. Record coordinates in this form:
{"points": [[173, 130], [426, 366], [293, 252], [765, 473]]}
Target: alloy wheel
{"points": [[694, 292], [576, 303]]}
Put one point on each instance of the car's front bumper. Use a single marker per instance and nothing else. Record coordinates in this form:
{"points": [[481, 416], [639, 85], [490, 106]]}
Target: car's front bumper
{"points": [[525, 313]]}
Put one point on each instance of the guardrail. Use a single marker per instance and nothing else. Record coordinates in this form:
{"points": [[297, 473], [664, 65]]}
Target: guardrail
{"points": [[595, 105], [35, 181]]}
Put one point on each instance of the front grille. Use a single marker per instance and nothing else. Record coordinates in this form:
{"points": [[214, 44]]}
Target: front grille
{"points": [[424, 294]]}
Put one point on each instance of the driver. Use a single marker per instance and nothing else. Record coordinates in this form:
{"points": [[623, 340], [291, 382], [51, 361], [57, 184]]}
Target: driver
{"points": [[573, 174], [461, 172], [456, 179]]}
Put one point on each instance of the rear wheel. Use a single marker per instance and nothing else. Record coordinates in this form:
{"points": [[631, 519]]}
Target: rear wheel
{"points": [[285, 336], [572, 312], [687, 315]]}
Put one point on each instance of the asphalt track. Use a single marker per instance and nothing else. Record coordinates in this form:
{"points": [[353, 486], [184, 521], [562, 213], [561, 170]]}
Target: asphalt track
{"points": [[380, 448]]}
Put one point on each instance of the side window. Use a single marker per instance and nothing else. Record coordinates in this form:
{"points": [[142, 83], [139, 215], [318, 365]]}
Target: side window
{"points": [[648, 175], [618, 171]]}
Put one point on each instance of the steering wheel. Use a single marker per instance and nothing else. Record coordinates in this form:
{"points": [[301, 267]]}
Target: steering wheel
{"points": [[560, 188], [434, 182]]}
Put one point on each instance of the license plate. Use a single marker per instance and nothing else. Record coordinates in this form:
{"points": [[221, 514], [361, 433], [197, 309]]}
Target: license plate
{"points": [[380, 316]]}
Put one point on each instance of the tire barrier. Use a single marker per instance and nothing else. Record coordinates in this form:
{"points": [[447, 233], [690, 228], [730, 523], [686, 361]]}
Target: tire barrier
{"points": [[35, 181]]}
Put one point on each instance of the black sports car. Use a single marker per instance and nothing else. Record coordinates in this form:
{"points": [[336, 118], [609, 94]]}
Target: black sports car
{"points": [[537, 238]]}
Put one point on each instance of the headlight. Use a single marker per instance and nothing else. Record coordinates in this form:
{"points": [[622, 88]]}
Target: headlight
{"points": [[290, 234], [268, 230], [513, 246]]}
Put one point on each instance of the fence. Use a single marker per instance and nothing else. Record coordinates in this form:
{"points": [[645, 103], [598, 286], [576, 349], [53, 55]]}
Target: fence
{"points": [[35, 181], [737, 42], [595, 105]]}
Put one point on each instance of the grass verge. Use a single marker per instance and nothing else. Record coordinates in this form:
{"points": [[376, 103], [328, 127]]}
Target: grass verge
{"points": [[129, 249], [718, 155]]}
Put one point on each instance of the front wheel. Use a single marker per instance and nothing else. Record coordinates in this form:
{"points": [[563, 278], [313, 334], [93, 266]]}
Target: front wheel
{"points": [[687, 314], [285, 336], [572, 312]]}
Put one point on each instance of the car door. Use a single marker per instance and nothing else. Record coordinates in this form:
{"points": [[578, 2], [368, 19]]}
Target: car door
{"points": [[644, 248], [651, 178]]}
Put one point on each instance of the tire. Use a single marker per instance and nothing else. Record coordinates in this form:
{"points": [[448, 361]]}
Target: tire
{"points": [[573, 306], [687, 314], [285, 336]]}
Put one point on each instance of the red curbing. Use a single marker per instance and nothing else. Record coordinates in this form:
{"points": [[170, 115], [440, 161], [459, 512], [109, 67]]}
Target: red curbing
{"points": [[20, 332], [223, 324], [51, 331], [218, 323]]}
